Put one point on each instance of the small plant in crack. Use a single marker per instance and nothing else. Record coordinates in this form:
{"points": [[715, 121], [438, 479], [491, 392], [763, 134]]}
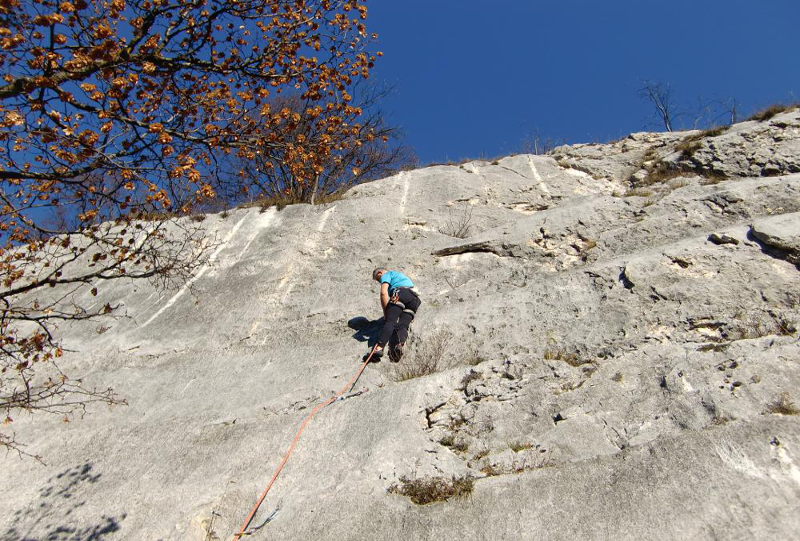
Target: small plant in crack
{"points": [[434, 489], [471, 376], [783, 406], [458, 225], [518, 446], [457, 422], [431, 356], [785, 326], [772, 110], [474, 357], [746, 328], [448, 441], [451, 442], [688, 147], [461, 446], [562, 354]]}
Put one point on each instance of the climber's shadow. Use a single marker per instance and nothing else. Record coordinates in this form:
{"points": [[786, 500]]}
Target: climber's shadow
{"points": [[366, 330]]}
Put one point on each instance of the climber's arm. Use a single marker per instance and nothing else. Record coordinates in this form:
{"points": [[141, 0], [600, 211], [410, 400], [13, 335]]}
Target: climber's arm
{"points": [[384, 297]]}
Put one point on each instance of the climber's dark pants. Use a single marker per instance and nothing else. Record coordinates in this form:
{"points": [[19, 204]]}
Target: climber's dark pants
{"points": [[399, 315]]}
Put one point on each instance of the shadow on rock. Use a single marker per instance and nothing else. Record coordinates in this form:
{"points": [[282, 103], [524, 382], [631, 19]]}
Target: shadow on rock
{"points": [[366, 330], [774, 251], [52, 516]]}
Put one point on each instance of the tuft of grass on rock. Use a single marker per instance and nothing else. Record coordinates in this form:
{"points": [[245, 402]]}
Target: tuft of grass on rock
{"points": [[783, 406], [676, 183], [469, 378], [434, 489], [688, 147], [751, 328], [448, 440], [281, 201], [451, 442], [710, 179], [589, 244], [660, 171], [773, 110], [518, 446], [561, 354], [639, 192], [460, 446], [713, 132]]}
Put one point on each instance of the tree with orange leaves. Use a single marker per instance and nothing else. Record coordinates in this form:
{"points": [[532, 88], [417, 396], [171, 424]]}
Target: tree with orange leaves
{"points": [[374, 151], [113, 110]]}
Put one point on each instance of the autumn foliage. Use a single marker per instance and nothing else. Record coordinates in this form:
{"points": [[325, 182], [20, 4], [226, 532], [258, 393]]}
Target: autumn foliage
{"points": [[375, 150], [111, 111]]}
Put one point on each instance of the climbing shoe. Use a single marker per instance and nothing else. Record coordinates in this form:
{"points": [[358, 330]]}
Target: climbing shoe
{"points": [[397, 353]]}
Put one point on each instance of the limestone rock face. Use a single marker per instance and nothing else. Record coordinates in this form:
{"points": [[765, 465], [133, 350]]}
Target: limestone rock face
{"points": [[780, 232], [608, 367], [747, 149]]}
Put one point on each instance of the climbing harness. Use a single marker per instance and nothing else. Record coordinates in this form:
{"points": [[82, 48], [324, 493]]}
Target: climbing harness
{"points": [[336, 397], [395, 299]]}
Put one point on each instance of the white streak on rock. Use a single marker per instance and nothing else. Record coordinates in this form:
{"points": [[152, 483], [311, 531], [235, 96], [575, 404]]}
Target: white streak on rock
{"points": [[286, 276], [309, 246], [734, 457], [199, 274], [324, 219], [788, 465], [404, 199], [263, 222], [538, 177]]}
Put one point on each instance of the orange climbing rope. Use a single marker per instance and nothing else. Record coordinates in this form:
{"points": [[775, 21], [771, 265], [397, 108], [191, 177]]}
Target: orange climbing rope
{"points": [[316, 409]]}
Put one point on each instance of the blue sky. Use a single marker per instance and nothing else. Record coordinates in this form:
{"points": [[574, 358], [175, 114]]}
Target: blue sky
{"points": [[475, 78]]}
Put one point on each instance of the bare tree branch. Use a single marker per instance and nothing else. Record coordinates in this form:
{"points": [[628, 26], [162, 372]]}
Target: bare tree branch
{"points": [[660, 96]]}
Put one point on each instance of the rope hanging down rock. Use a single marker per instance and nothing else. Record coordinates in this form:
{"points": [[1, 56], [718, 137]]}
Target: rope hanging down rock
{"points": [[338, 396]]}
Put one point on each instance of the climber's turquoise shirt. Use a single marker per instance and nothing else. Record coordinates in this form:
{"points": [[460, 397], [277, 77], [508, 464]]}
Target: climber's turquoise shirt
{"points": [[396, 279]]}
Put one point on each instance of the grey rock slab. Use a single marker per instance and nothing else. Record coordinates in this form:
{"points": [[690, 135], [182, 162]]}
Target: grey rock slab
{"points": [[782, 232]]}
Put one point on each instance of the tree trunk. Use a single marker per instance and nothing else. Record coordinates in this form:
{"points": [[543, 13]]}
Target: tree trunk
{"points": [[314, 191]]}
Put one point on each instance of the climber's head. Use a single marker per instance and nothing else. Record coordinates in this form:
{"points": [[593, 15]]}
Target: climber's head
{"points": [[377, 273]]}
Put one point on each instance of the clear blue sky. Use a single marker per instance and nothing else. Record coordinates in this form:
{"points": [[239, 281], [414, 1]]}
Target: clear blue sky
{"points": [[474, 78]]}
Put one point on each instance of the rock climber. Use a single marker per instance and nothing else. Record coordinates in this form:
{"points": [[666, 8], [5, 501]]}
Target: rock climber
{"points": [[400, 302]]}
